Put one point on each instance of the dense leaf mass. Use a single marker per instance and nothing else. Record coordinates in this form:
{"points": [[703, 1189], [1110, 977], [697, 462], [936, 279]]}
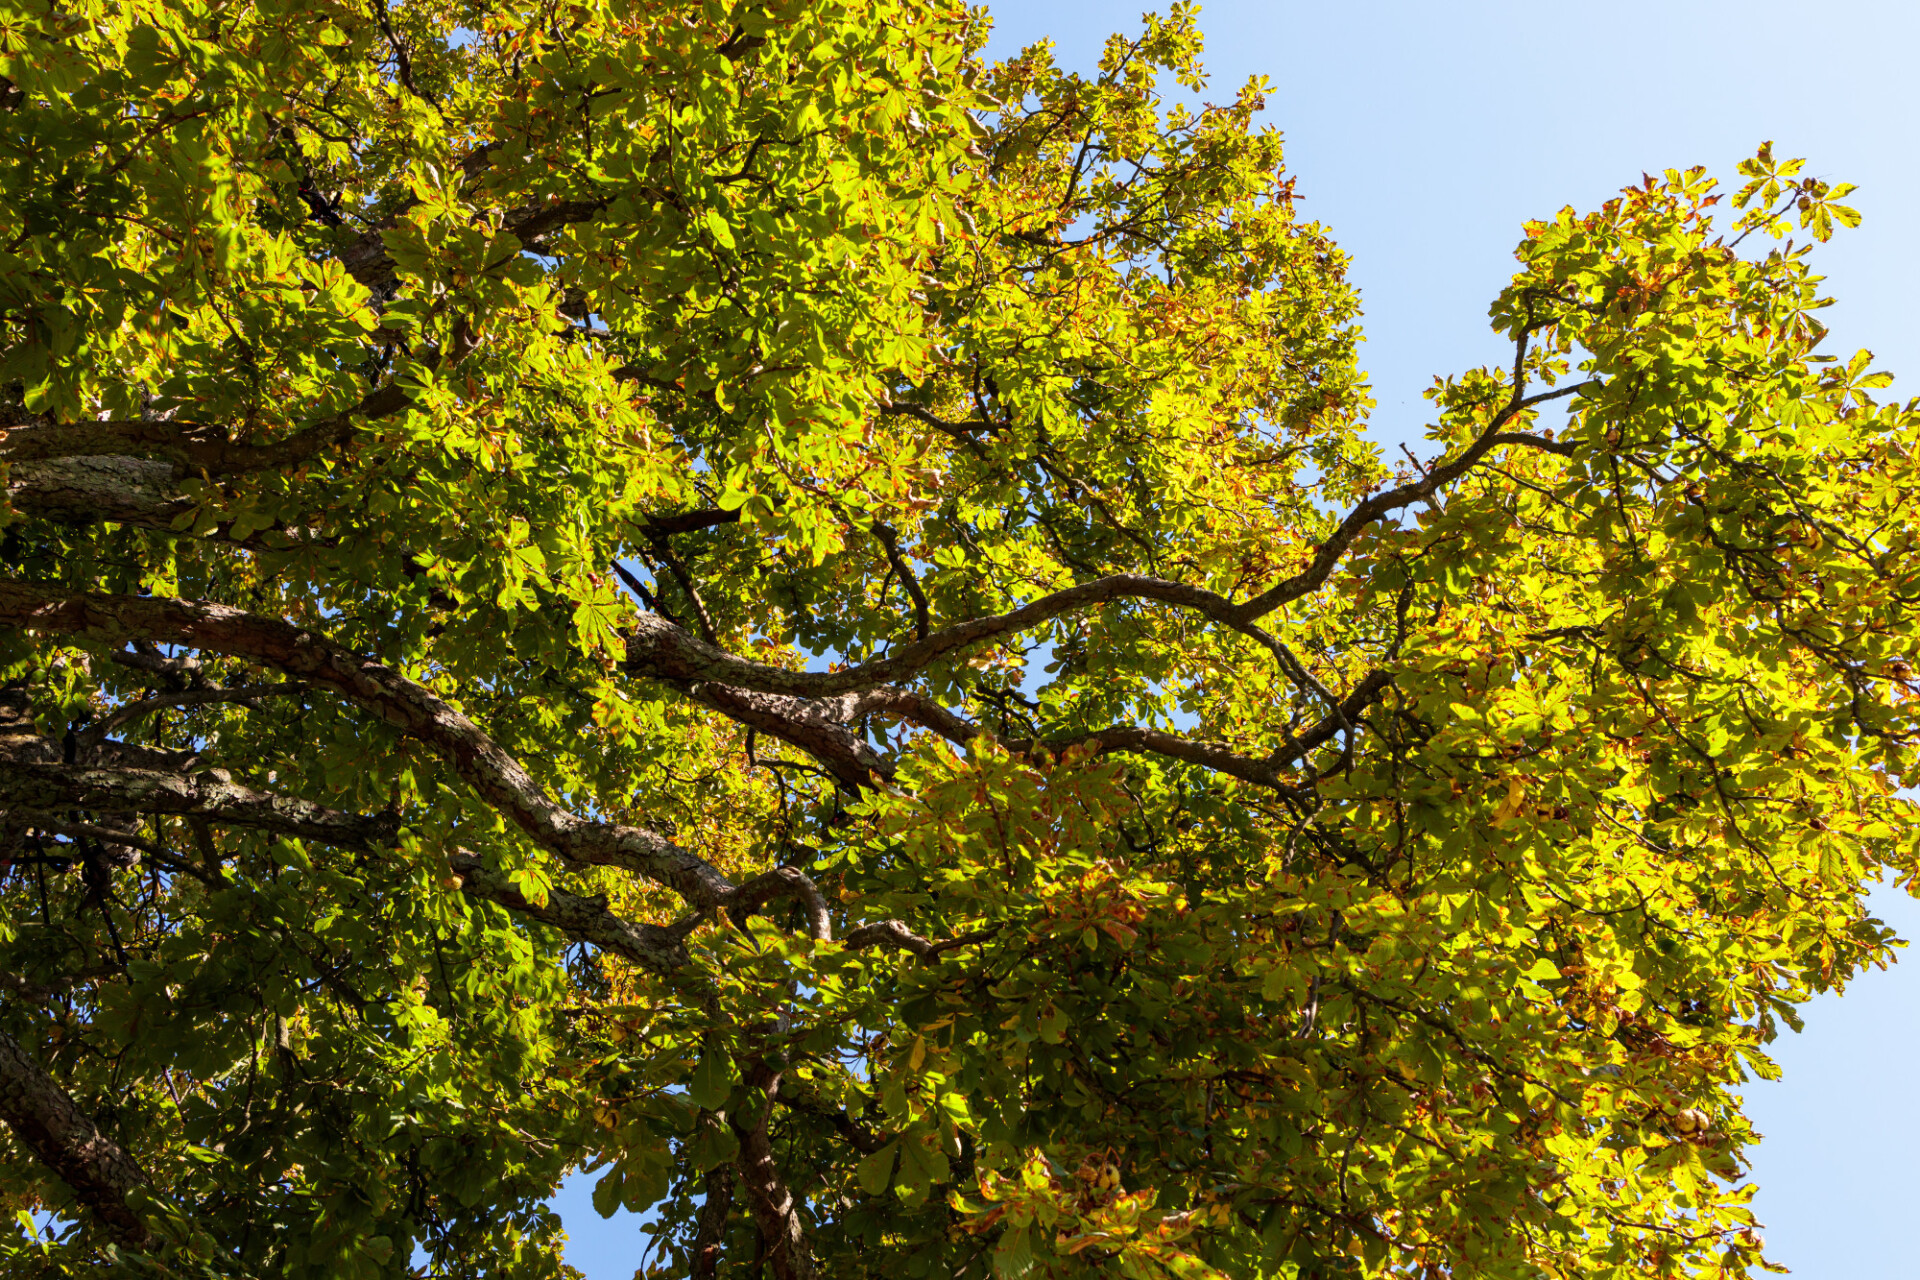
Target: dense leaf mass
{"points": [[731, 595]]}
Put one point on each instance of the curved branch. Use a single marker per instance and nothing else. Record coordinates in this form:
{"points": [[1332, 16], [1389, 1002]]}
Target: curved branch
{"points": [[1265, 771], [895, 934], [414, 710], [891, 541], [914, 708], [653, 947], [66, 1140], [1335, 546], [740, 689], [786, 882], [658, 647]]}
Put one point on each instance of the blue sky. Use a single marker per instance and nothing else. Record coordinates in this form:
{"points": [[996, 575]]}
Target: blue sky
{"points": [[1423, 135]]}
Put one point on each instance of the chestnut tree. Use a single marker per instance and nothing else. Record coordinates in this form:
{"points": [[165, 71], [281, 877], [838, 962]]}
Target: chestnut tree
{"points": [[731, 595]]}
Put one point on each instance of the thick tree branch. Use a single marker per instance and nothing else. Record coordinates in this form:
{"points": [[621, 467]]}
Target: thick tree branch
{"points": [[32, 787], [80, 490], [1565, 448], [785, 882], [710, 1226], [914, 708], [65, 1139], [658, 647], [411, 708], [29, 786], [192, 446], [689, 521], [774, 1211], [815, 727]]}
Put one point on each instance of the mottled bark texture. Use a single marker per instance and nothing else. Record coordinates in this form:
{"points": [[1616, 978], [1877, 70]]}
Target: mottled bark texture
{"points": [[46, 1122]]}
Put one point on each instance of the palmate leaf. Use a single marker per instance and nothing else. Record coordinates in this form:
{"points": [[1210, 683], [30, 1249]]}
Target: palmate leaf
{"points": [[742, 598]]}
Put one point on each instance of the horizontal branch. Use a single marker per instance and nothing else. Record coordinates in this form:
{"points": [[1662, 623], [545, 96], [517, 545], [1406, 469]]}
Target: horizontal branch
{"points": [[115, 488], [653, 947], [895, 935], [1263, 771], [30, 786], [1565, 448], [193, 446], [132, 711], [805, 708], [689, 521], [957, 429]]}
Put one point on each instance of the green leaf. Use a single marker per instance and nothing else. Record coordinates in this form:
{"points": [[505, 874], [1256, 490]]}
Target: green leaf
{"points": [[1012, 1254], [875, 1171], [712, 1080], [608, 1190]]}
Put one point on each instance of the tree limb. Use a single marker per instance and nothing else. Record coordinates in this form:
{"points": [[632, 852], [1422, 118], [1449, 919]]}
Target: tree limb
{"points": [[813, 726], [411, 708], [785, 882], [710, 1225], [1320, 568], [656, 948], [66, 1140], [891, 541], [689, 521], [774, 1210], [193, 446], [895, 934], [31, 786], [97, 733], [658, 647]]}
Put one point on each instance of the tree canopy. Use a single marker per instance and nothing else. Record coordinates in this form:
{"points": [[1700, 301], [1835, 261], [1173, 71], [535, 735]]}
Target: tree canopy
{"points": [[734, 596]]}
